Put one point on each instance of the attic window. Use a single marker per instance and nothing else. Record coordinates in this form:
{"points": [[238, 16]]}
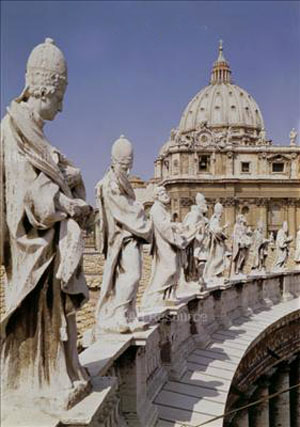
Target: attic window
{"points": [[202, 108], [278, 167], [204, 163], [233, 107], [245, 167], [217, 107]]}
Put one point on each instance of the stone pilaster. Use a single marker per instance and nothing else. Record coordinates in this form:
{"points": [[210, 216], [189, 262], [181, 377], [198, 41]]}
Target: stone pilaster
{"points": [[263, 213], [292, 218], [229, 214], [191, 164]]}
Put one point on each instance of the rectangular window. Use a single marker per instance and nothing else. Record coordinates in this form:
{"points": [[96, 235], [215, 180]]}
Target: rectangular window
{"points": [[204, 163], [245, 167], [277, 167]]}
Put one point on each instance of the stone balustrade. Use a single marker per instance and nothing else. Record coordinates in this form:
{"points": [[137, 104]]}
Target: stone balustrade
{"points": [[138, 365]]}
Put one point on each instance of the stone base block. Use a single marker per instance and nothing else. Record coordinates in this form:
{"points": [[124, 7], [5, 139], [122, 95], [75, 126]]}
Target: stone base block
{"points": [[99, 409]]}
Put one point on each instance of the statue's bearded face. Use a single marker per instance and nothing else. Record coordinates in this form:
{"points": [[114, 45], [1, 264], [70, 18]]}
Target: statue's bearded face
{"points": [[51, 104]]}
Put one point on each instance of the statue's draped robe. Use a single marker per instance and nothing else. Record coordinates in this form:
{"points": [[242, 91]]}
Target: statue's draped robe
{"points": [[42, 254], [216, 260], [123, 229], [166, 250], [241, 246], [197, 248], [260, 247], [282, 249]]}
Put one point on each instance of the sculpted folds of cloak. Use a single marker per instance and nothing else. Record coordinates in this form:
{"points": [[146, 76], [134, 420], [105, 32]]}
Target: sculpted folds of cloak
{"points": [[123, 229], [42, 252]]}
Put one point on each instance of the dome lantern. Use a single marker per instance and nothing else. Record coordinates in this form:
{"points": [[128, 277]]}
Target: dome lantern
{"points": [[221, 72]]}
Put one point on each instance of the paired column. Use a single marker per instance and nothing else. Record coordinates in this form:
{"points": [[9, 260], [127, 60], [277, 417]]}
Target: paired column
{"points": [[295, 393], [241, 419], [260, 413], [280, 405]]}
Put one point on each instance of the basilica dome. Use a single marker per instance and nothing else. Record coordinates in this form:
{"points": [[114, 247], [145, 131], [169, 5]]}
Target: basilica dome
{"points": [[222, 103]]}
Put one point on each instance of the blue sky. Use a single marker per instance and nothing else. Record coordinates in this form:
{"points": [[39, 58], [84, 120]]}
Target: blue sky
{"points": [[133, 67]]}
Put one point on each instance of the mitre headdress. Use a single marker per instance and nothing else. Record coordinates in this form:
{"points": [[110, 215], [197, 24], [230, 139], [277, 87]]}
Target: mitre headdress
{"points": [[122, 149], [46, 68]]}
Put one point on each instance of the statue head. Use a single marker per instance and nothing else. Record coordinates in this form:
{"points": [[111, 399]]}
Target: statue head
{"points": [[122, 155], [201, 202], [162, 195], [285, 226], [218, 209], [45, 80]]}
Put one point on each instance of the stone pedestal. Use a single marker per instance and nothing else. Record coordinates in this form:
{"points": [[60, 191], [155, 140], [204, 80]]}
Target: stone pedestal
{"points": [[99, 409]]}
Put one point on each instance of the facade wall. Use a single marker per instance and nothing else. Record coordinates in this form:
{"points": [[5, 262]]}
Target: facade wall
{"points": [[243, 179]]}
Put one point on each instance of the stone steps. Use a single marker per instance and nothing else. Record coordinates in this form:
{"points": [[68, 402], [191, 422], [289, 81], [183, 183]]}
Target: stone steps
{"points": [[201, 393]]}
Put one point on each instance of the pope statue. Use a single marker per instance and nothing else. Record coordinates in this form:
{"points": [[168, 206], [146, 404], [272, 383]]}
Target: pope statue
{"points": [[124, 228], [42, 214]]}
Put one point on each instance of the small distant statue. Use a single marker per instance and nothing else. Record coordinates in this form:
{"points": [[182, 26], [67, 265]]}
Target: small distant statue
{"points": [[260, 247], [229, 136], [282, 247], [221, 139], [293, 136], [197, 250], [173, 134], [241, 245], [297, 250], [124, 229], [217, 257], [44, 217], [262, 136], [168, 242]]}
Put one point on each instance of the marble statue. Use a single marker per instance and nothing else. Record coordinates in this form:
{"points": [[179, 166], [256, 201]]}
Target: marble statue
{"points": [[123, 230], [241, 245], [168, 241], [197, 251], [282, 247], [260, 247], [44, 213], [217, 257], [297, 249], [262, 136], [229, 135], [293, 136]]}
